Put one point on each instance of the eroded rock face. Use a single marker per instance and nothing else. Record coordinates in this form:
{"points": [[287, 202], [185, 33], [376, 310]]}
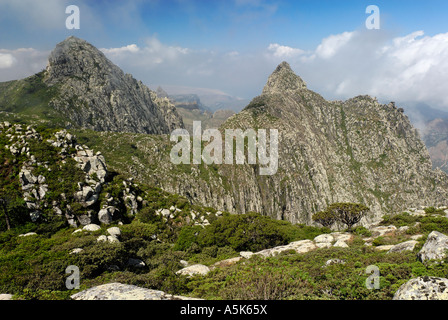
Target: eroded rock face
{"points": [[423, 288], [96, 94]]}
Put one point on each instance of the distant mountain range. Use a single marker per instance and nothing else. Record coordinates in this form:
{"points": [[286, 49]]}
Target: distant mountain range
{"points": [[433, 127], [357, 150], [212, 100]]}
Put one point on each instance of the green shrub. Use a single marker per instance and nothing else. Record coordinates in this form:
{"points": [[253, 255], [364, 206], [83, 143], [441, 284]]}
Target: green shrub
{"points": [[138, 229], [325, 218], [243, 232], [94, 260], [429, 210], [362, 231], [187, 236], [400, 220]]}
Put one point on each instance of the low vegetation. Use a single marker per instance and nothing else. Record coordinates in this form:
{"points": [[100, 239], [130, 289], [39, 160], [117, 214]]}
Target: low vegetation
{"points": [[33, 267]]}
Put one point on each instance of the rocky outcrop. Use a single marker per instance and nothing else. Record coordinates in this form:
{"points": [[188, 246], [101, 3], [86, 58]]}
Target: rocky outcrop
{"points": [[423, 288], [86, 177], [119, 291], [96, 94]]}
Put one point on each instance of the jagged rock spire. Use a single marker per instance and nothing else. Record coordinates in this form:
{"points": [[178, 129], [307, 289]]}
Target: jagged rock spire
{"points": [[94, 93], [283, 79]]}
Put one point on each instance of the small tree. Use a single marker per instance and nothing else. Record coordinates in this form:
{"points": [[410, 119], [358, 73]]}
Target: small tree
{"points": [[348, 213], [325, 218]]}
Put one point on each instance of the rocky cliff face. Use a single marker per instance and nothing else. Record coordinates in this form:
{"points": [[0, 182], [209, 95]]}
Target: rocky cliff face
{"points": [[94, 93], [435, 136], [356, 150], [329, 151]]}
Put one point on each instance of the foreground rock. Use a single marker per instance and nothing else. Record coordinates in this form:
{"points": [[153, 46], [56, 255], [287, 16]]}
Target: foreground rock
{"points": [[119, 291], [423, 288], [435, 247]]}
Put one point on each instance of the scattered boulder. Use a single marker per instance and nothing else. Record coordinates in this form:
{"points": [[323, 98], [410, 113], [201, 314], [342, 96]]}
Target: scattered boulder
{"points": [[5, 296], [246, 254], [404, 246], [301, 246], [341, 244], [226, 262], [105, 215], [114, 231], [324, 240], [418, 213], [344, 236], [383, 230], [423, 288], [196, 269], [107, 238], [435, 247], [416, 236], [28, 234], [385, 247], [91, 227], [86, 219], [334, 261], [184, 263], [76, 250]]}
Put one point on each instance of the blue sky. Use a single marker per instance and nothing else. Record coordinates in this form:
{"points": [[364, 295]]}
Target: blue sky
{"points": [[233, 45]]}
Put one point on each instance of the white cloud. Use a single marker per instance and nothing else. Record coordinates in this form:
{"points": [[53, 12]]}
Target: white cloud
{"points": [[153, 53], [409, 68], [21, 63], [132, 48], [330, 45], [284, 52], [413, 67], [7, 60]]}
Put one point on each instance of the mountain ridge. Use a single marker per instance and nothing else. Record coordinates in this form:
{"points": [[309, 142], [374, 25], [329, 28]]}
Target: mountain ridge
{"points": [[357, 150], [89, 91]]}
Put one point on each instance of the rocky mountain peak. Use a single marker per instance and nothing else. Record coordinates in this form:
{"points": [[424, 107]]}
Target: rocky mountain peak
{"points": [[283, 79], [75, 57], [95, 93]]}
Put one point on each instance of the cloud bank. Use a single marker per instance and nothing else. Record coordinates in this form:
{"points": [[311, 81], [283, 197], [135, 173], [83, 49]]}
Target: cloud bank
{"points": [[413, 67]]}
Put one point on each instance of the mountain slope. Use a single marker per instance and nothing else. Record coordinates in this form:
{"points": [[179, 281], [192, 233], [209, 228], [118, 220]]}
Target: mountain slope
{"points": [[83, 87], [329, 151]]}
